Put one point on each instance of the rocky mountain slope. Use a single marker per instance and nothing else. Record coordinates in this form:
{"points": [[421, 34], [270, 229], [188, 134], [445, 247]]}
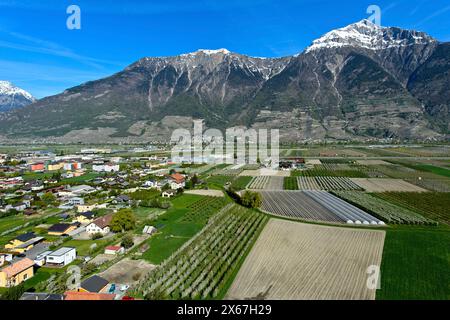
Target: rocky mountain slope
{"points": [[12, 97], [359, 82]]}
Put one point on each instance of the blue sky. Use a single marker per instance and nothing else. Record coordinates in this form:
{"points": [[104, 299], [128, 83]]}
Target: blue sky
{"points": [[39, 53]]}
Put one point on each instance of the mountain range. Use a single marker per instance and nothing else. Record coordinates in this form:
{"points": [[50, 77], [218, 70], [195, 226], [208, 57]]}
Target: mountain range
{"points": [[12, 97], [359, 82]]}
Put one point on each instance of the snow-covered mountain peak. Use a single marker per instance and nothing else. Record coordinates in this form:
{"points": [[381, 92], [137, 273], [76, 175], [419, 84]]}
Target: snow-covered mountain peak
{"points": [[12, 97], [365, 34]]}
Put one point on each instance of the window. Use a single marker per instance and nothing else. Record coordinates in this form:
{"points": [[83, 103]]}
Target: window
{"points": [[25, 276]]}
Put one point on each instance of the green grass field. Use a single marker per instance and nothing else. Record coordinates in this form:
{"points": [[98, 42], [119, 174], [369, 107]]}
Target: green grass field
{"points": [[433, 169], [240, 183], [219, 181], [415, 264], [173, 232], [83, 246]]}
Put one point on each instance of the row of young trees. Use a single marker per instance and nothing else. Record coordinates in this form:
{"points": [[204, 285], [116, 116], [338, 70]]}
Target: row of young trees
{"points": [[203, 269]]}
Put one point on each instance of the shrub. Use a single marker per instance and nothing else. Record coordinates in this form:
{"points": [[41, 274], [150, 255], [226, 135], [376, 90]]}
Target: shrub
{"points": [[127, 241], [251, 199], [96, 236]]}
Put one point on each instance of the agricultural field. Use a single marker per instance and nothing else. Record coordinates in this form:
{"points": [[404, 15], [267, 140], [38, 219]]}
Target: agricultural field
{"points": [[203, 209], [294, 261], [333, 170], [386, 185], [259, 183], [267, 183], [314, 206], [327, 183], [240, 183], [290, 183], [398, 171], [432, 205], [382, 209], [173, 230], [220, 180], [415, 264], [204, 267], [344, 210], [439, 185]]}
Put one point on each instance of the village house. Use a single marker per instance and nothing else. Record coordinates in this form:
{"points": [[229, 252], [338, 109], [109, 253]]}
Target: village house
{"points": [[37, 167], [87, 207], [106, 167], [177, 181], [61, 257], [84, 217], [81, 190], [15, 273], [55, 166], [88, 296], [94, 284], [23, 242], [100, 225], [122, 199], [168, 193]]}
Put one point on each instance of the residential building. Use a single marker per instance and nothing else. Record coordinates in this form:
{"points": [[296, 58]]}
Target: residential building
{"points": [[16, 273], [106, 167], [20, 240], [84, 217], [61, 257], [100, 225], [75, 201], [169, 193], [83, 296], [39, 260], [37, 167], [55, 166], [93, 284]]}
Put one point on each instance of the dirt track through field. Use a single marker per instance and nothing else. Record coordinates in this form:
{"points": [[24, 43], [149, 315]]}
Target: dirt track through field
{"points": [[292, 260]]}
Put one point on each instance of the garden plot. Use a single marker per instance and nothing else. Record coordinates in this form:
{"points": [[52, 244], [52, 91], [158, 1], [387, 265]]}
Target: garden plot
{"points": [[296, 204], [327, 183], [386, 185], [345, 211], [293, 261], [259, 183]]}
